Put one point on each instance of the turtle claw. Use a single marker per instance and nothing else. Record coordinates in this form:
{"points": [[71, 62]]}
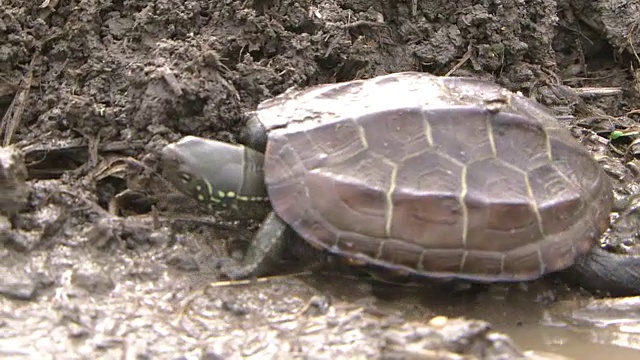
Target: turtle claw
{"points": [[234, 270], [265, 250]]}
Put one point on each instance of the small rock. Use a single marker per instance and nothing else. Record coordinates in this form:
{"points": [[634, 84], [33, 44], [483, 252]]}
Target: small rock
{"points": [[183, 261], [77, 331], [14, 191], [5, 229], [101, 233], [237, 308], [601, 312], [32, 228], [24, 241], [446, 338], [16, 284], [92, 278]]}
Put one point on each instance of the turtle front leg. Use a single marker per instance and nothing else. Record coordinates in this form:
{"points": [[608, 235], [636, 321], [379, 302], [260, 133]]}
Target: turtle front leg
{"points": [[265, 250]]}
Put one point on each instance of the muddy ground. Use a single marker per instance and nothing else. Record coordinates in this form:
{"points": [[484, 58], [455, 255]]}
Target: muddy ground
{"points": [[100, 258]]}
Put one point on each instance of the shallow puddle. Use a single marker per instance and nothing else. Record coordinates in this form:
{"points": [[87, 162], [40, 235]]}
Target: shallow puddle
{"points": [[539, 316]]}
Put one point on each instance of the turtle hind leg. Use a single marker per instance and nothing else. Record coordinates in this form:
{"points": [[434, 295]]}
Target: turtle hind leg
{"points": [[265, 250], [601, 271]]}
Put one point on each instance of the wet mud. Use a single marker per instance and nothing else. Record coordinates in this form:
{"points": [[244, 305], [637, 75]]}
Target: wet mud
{"points": [[99, 257]]}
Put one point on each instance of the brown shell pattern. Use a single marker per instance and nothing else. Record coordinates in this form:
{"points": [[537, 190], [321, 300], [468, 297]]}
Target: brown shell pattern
{"points": [[433, 176]]}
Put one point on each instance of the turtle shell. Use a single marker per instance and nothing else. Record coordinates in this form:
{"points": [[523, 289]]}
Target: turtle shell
{"points": [[433, 176]]}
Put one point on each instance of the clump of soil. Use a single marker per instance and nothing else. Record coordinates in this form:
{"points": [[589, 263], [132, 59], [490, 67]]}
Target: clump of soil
{"points": [[86, 84]]}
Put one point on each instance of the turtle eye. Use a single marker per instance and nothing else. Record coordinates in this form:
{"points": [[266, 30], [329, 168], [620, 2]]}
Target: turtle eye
{"points": [[186, 178]]}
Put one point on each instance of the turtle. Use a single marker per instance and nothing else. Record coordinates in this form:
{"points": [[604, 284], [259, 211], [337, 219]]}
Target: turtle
{"points": [[412, 174]]}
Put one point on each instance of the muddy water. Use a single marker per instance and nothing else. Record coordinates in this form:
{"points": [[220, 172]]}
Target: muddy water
{"points": [[152, 71], [539, 316]]}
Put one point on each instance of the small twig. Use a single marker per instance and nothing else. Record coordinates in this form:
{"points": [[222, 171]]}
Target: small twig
{"points": [[155, 216], [462, 61], [363, 23], [630, 40], [11, 119], [89, 205], [94, 144], [226, 283], [186, 302], [171, 80], [598, 91]]}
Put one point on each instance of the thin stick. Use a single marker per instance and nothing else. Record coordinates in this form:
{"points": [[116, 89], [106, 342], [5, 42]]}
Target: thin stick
{"points": [[12, 118]]}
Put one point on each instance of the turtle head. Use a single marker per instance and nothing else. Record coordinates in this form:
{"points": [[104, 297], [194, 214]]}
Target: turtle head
{"points": [[217, 174]]}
